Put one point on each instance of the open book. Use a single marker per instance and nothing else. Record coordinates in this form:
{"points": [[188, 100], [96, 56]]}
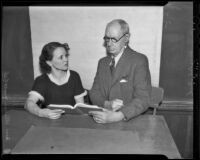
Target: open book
{"points": [[83, 108]]}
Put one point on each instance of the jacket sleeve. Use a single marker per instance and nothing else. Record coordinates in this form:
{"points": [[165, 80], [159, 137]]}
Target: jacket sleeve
{"points": [[141, 90], [95, 94]]}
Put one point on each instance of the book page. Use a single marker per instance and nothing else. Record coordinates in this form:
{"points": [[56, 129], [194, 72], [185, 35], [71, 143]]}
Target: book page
{"points": [[86, 106], [60, 106], [80, 108]]}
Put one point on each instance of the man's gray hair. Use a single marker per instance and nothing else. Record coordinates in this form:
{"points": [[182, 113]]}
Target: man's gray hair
{"points": [[124, 25]]}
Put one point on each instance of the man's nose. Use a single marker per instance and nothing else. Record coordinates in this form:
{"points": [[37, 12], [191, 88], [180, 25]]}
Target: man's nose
{"points": [[109, 42]]}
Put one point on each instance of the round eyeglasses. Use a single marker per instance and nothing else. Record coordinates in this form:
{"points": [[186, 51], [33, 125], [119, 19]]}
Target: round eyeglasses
{"points": [[114, 40]]}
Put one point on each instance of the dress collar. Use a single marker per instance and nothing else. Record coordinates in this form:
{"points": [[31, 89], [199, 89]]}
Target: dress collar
{"points": [[52, 79]]}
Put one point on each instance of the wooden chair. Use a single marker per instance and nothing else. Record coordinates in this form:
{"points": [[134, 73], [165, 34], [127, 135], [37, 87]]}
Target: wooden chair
{"points": [[157, 94]]}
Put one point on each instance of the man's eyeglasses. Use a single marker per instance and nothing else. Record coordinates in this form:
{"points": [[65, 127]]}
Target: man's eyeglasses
{"points": [[114, 40]]}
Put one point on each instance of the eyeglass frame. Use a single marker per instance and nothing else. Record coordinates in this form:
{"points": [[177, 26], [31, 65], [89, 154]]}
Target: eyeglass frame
{"points": [[114, 40]]}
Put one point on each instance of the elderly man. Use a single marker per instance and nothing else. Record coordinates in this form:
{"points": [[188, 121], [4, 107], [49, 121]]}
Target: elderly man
{"points": [[122, 84]]}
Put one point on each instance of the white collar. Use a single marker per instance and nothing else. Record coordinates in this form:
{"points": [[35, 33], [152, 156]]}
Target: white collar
{"points": [[56, 81], [119, 55]]}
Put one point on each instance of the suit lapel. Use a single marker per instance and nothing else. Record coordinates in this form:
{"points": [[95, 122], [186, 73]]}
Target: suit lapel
{"points": [[108, 76], [108, 70], [121, 65]]}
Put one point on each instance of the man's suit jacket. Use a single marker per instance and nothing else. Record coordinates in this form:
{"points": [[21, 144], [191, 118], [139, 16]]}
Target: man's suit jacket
{"points": [[131, 83]]}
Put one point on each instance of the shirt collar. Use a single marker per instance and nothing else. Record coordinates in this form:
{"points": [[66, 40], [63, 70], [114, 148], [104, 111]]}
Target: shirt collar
{"points": [[119, 55]]}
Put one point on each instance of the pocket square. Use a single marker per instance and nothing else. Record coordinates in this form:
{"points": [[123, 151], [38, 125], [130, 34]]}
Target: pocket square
{"points": [[123, 81]]}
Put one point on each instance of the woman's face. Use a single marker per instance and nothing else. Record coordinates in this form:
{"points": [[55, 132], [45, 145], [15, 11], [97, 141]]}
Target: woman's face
{"points": [[60, 59]]}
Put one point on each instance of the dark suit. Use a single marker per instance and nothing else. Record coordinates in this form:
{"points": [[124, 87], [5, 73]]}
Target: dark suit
{"points": [[134, 89]]}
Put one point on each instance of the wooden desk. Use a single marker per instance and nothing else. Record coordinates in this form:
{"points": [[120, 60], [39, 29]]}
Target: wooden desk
{"points": [[152, 131]]}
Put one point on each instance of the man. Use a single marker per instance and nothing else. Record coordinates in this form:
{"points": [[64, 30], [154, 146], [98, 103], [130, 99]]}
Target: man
{"points": [[122, 84]]}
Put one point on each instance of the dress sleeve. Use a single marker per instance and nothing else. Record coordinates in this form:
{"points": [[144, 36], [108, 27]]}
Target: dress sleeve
{"points": [[79, 90], [38, 88]]}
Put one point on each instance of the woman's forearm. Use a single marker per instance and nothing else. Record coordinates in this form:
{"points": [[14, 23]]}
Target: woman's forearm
{"points": [[33, 108]]}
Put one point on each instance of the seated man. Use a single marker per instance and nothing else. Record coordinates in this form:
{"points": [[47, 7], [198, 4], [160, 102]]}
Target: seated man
{"points": [[122, 83]]}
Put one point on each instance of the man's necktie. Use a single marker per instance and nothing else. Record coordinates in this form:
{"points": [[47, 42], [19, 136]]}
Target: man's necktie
{"points": [[112, 65]]}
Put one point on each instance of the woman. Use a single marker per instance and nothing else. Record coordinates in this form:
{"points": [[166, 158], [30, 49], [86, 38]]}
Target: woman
{"points": [[57, 84]]}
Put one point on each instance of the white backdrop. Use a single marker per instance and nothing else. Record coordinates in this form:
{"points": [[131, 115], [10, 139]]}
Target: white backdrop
{"points": [[83, 29]]}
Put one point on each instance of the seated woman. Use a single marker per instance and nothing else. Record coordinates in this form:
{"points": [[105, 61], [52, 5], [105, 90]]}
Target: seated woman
{"points": [[57, 84]]}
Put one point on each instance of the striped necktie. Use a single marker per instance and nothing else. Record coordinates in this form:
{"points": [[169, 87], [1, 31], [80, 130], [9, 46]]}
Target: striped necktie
{"points": [[112, 65]]}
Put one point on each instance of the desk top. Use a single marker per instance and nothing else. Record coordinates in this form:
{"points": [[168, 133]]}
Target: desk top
{"points": [[150, 133]]}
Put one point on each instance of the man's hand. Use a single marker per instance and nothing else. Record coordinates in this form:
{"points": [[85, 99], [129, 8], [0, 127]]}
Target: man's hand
{"points": [[51, 113], [107, 116], [113, 105]]}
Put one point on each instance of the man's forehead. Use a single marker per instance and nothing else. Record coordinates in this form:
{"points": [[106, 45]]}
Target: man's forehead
{"points": [[114, 29]]}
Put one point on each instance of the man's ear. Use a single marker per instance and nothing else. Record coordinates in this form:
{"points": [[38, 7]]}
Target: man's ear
{"points": [[127, 37], [49, 63]]}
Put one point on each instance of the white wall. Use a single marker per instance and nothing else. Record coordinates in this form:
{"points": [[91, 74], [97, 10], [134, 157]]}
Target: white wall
{"points": [[83, 29]]}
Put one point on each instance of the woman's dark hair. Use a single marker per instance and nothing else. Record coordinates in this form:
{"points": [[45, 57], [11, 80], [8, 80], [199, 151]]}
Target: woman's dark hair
{"points": [[47, 55]]}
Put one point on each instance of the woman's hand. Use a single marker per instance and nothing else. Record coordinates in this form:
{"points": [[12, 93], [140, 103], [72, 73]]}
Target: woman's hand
{"points": [[51, 113]]}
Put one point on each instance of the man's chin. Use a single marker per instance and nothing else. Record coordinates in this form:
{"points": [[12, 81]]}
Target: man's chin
{"points": [[64, 69], [111, 52]]}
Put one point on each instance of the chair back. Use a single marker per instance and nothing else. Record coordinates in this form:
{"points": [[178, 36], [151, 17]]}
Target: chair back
{"points": [[157, 94]]}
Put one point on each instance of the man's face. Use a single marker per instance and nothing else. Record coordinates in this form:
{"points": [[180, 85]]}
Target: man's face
{"points": [[113, 31]]}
